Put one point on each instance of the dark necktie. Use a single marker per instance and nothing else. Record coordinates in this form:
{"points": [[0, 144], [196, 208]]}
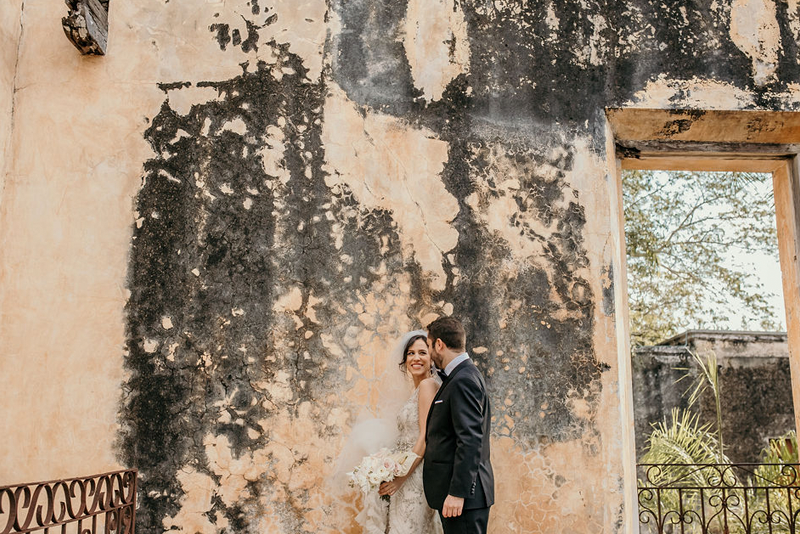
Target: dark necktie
{"points": [[442, 375]]}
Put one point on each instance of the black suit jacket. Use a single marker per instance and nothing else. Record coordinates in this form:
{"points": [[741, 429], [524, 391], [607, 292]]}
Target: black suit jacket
{"points": [[457, 441]]}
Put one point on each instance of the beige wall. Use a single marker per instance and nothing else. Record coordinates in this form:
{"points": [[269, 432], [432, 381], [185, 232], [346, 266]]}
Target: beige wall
{"points": [[9, 38], [73, 165]]}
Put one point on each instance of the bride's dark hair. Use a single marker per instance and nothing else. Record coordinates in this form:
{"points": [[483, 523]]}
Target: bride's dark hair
{"points": [[408, 346]]}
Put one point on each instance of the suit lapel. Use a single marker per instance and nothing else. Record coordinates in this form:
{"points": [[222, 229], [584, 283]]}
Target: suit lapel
{"points": [[433, 403], [460, 367]]}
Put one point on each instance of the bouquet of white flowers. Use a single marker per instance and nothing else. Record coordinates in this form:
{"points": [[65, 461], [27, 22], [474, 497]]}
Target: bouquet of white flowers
{"points": [[383, 466]]}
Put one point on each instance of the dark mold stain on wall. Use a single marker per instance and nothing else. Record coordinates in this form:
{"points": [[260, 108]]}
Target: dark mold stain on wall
{"points": [[213, 268], [539, 346], [368, 57], [686, 39], [500, 110], [524, 71], [672, 38], [552, 67]]}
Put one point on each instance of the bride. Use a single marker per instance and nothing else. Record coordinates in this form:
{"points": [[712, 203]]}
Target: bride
{"points": [[408, 510], [399, 426]]}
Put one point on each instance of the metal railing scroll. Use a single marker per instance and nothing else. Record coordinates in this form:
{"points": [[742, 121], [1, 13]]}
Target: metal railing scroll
{"points": [[96, 504], [719, 498]]}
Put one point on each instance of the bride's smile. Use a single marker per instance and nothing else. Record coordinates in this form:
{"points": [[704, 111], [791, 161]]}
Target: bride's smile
{"points": [[418, 361]]}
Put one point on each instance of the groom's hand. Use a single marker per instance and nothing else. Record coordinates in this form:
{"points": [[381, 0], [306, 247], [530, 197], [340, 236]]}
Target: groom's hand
{"points": [[453, 506]]}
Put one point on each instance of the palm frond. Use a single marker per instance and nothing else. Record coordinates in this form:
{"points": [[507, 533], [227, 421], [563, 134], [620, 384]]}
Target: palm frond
{"points": [[707, 378], [683, 440]]}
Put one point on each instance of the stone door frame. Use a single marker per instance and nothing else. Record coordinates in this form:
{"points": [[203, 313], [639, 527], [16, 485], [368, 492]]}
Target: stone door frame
{"points": [[702, 140]]}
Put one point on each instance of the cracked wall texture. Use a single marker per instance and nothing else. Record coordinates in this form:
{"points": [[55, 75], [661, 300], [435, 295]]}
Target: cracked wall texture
{"points": [[10, 25], [212, 236]]}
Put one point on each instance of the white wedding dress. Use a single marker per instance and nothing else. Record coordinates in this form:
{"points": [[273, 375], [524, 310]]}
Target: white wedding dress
{"points": [[408, 510]]}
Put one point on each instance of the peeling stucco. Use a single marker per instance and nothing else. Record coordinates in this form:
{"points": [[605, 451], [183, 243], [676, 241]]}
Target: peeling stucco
{"points": [[386, 200], [709, 93], [793, 14], [390, 166], [436, 46], [755, 31]]}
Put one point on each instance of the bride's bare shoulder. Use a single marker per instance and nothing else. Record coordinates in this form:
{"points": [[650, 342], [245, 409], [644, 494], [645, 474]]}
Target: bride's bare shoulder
{"points": [[428, 386]]}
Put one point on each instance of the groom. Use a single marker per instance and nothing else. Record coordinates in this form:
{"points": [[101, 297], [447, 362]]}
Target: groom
{"points": [[457, 473]]}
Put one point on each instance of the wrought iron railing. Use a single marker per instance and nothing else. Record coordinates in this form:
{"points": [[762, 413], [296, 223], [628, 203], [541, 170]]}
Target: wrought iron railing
{"points": [[719, 498], [88, 505]]}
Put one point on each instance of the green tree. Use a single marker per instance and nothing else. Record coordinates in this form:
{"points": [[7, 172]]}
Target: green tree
{"points": [[681, 228]]}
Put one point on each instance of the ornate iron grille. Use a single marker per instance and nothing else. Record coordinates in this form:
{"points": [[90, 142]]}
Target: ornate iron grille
{"points": [[96, 504], [719, 498]]}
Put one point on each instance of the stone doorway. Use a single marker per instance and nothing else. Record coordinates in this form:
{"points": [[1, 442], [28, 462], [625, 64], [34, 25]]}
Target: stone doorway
{"points": [[697, 140]]}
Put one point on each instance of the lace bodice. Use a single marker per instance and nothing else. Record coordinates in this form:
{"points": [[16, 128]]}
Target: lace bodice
{"points": [[408, 512], [408, 423]]}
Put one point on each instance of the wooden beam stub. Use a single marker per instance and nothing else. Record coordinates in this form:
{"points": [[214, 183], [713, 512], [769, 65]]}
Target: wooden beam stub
{"points": [[86, 25], [636, 149]]}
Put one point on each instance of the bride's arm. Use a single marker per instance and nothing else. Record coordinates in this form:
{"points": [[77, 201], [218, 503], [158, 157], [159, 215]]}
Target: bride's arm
{"points": [[427, 391]]}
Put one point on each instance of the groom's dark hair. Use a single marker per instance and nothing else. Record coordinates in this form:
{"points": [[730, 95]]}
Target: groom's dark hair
{"points": [[450, 331]]}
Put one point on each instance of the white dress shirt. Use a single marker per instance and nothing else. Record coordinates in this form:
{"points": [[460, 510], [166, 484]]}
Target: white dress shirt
{"points": [[453, 364]]}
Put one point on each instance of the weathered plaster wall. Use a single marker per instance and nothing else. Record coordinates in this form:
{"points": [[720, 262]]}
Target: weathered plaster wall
{"points": [[289, 225], [73, 164], [314, 178], [10, 25], [723, 55]]}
